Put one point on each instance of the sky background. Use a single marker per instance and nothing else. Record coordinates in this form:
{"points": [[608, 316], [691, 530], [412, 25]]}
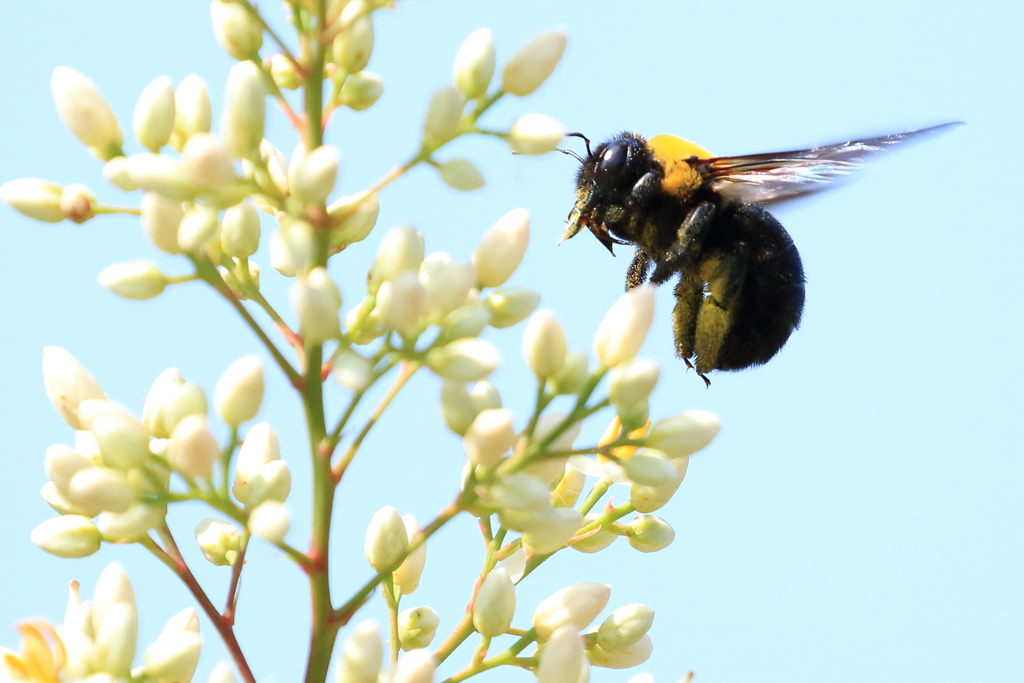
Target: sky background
{"points": [[859, 516]]}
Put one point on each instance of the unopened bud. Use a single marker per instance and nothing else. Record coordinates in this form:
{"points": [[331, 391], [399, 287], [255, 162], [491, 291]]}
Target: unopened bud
{"points": [[354, 45], [116, 173], [467, 360], [122, 440], [244, 111], [316, 300], [576, 605], [569, 488], [260, 448], [415, 666], [284, 73], [489, 437], [467, 321], [291, 247], [359, 213], [132, 524], [237, 31], [649, 534], [361, 91], [495, 604], [270, 521], [67, 384], [401, 300], [154, 114], [82, 109], [219, 541], [174, 655], [197, 228], [597, 541], [161, 218], [510, 305], [68, 536], [101, 488], [544, 345], [650, 468], [169, 400], [206, 162], [520, 492], [625, 627], [554, 535], [501, 248], [221, 673], [239, 391], [684, 434], [624, 328], [407, 576], [353, 371], [485, 395], [561, 660], [361, 655], [240, 230], [631, 382], [457, 408], [77, 203], [386, 539], [647, 498], [461, 174], [38, 199], [447, 285], [134, 280], [311, 175], [192, 450], [416, 627], [535, 134], [626, 658], [474, 64], [443, 115], [532, 65], [192, 110], [400, 250]]}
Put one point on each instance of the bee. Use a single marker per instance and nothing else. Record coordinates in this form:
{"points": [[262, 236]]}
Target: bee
{"points": [[740, 290]]}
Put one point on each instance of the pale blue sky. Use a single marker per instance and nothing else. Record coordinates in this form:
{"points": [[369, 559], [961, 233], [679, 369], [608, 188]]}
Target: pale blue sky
{"points": [[859, 517]]}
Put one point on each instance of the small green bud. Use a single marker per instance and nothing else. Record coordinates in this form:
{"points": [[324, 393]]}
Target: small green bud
{"points": [[544, 345], [510, 305], [461, 174], [501, 248], [354, 45], [573, 373], [649, 534], [198, 227], [192, 110], [69, 536], [237, 31], [361, 91], [626, 658], [284, 73], [134, 280], [474, 64], [625, 627], [154, 114], [597, 541], [532, 65], [443, 115], [38, 199], [535, 134], [416, 627], [240, 230], [466, 359], [358, 215]]}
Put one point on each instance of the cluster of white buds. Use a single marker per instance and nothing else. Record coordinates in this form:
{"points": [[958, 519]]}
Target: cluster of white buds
{"points": [[97, 641]]}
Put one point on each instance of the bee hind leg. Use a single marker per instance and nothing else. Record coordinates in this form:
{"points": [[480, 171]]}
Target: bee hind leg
{"points": [[688, 242], [688, 292], [637, 273], [724, 275]]}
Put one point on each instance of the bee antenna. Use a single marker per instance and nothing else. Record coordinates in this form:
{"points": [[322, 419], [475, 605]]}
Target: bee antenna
{"points": [[570, 153], [584, 138]]}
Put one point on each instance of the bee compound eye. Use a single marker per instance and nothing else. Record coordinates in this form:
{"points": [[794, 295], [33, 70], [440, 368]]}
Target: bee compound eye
{"points": [[614, 158]]}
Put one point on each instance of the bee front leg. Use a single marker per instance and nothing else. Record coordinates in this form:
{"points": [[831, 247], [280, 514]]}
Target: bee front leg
{"points": [[645, 188], [689, 238], [637, 273]]}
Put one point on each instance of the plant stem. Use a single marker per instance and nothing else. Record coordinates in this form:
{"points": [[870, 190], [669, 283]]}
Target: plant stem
{"points": [[236, 576]]}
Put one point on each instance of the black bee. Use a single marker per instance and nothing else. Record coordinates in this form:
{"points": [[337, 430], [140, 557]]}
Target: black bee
{"points": [[740, 291]]}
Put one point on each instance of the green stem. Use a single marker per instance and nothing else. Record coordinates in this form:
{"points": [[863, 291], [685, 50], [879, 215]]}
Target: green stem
{"points": [[392, 601], [130, 210], [506, 657]]}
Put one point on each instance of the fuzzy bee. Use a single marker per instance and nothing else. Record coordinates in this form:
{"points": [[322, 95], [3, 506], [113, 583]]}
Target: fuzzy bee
{"points": [[740, 288]]}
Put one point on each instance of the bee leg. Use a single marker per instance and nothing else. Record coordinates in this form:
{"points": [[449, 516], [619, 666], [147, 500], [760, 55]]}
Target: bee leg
{"points": [[724, 275], [688, 241], [689, 293], [645, 188], [637, 273]]}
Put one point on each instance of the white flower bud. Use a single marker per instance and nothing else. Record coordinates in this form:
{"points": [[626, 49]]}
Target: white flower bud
{"points": [[237, 31], [561, 660], [354, 45], [221, 673], [461, 174], [624, 328], [485, 395], [291, 248], [134, 280], [489, 437], [447, 285], [101, 488], [544, 345], [415, 666], [569, 488], [595, 542], [219, 541], [116, 173], [554, 535], [198, 227], [169, 400], [154, 114], [625, 627], [650, 467], [273, 481], [649, 533], [352, 371], [122, 440], [532, 65], [400, 250], [535, 134], [474, 64], [277, 167], [573, 373], [576, 605], [520, 492], [386, 539], [82, 109], [515, 565], [443, 114], [192, 110], [416, 627], [359, 213], [407, 576], [467, 360], [401, 301], [67, 384], [174, 655], [77, 203], [270, 521], [284, 73], [112, 587], [316, 300], [363, 326], [38, 199], [131, 525], [467, 321], [501, 248], [361, 655], [240, 230], [626, 658], [631, 382], [361, 91], [260, 447], [68, 536], [92, 408], [647, 498], [510, 305], [495, 604], [116, 635], [61, 463], [457, 408], [684, 434], [192, 450], [244, 111], [239, 391], [161, 174], [311, 175], [207, 164], [160, 220]]}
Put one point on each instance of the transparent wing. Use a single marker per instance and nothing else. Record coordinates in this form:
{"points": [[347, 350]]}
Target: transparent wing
{"points": [[778, 175]]}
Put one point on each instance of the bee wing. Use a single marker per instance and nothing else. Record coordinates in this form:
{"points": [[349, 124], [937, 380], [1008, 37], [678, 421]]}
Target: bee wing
{"points": [[778, 175]]}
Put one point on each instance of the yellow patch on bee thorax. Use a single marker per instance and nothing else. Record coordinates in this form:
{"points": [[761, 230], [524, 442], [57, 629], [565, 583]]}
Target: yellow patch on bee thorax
{"points": [[673, 153]]}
